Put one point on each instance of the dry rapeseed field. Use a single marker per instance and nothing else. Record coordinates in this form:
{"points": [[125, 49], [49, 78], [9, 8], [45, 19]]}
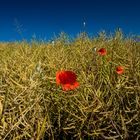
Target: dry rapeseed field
{"points": [[84, 89]]}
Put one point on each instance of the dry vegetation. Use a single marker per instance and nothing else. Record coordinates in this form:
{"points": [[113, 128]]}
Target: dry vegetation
{"points": [[104, 106]]}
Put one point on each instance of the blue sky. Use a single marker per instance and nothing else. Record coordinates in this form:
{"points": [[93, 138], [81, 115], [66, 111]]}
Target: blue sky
{"points": [[46, 18]]}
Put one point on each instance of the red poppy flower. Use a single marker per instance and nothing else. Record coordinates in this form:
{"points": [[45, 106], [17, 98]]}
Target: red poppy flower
{"points": [[102, 52], [119, 70], [67, 79]]}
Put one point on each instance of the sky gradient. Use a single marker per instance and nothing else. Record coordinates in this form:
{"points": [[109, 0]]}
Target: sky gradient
{"points": [[22, 19]]}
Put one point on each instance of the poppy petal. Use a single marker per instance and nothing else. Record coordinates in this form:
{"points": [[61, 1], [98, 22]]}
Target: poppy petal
{"points": [[57, 77], [102, 52], [69, 86], [67, 79], [119, 70]]}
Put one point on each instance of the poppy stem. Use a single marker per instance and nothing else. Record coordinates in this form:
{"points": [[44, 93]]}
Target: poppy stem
{"points": [[111, 64]]}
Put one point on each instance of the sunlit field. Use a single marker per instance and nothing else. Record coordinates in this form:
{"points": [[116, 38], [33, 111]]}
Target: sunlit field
{"points": [[81, 89]]}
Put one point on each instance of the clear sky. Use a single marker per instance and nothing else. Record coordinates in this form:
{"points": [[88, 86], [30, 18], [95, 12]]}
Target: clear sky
{"points": [[46, 18]]}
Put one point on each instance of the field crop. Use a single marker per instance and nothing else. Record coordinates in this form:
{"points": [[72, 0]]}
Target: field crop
{"points": [[105, 104]]}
